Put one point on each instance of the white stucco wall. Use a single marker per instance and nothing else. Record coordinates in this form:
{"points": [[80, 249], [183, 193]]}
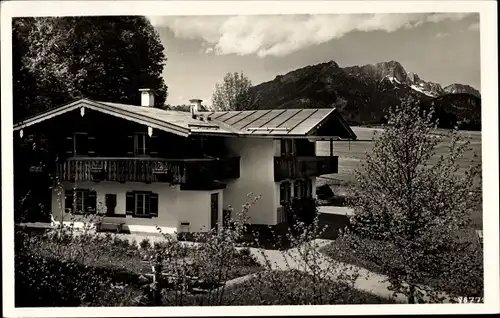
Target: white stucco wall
{"points": [[174, 206], [256, 175]]}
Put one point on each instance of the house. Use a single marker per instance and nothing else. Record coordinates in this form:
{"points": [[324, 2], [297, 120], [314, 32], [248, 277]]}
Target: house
{"points": [[141, 166]]}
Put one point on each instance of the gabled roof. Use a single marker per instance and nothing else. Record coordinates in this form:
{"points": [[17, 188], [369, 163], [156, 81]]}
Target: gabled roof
{"points": [[255, 123]]}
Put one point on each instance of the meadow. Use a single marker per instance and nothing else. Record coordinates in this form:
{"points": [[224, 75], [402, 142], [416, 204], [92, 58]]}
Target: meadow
{"points": [[352, 153]]}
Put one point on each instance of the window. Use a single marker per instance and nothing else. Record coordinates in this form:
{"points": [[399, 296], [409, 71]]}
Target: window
{"points": [[80, 201], [80, 145], [286, 147], [142, 204], [296, 189], [301, 189], [140, 144], [309, 188], [285, 192]]}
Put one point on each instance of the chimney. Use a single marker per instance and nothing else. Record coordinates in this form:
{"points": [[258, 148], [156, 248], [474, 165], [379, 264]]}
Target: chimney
{"points": [[195, 106], [147, 97]]}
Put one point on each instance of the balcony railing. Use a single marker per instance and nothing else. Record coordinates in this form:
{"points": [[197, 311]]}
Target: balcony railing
{"points": [[302, 167], [175, 171]]}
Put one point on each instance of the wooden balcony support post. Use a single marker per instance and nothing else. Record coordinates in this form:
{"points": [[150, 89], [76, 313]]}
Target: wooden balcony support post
{"points": [[331, 152]]}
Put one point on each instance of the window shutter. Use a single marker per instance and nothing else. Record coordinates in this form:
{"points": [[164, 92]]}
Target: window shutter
{"points": [[129, 203], [91, 202], [91, 146], [152, 147], [68, 201], [282, 193], [153, 204], [130, 145], [69, 145]]}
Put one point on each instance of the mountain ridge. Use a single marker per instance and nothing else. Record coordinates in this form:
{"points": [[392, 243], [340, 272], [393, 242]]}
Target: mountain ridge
{"points": [[363, 93]]}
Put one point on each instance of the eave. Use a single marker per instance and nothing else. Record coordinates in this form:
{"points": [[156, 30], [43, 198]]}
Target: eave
{"points": [[105, 109]]}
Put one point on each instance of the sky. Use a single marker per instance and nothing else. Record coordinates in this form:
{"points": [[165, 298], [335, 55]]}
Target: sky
{"points": [[440, 47]]}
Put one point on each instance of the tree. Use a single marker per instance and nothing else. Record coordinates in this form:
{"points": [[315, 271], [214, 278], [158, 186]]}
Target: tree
{"points": [[407, 211], [233, 93], [58, 59], [184, 108]]}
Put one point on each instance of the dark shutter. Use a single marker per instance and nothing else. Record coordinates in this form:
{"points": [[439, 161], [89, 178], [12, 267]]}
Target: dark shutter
{"points": [[282, 193], [91, 202], [130, 145], [152, 147], [153, 204], [68, 201], [129, 203], [283, 147], [69, 145], [91, 146]]}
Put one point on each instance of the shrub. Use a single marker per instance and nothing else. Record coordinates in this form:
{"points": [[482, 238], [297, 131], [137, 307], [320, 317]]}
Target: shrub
{"points": [[293, 287], [145, 244]]}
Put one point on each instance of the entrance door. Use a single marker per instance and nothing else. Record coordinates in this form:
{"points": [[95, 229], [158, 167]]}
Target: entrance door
{"points": [[110, 204], [214, 210]]}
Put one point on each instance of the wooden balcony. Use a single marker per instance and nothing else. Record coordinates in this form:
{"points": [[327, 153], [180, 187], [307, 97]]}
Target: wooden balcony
{"points": [[175, 171], [302, 167]]}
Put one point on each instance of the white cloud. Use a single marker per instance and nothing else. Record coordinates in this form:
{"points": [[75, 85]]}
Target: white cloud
{"points": [[474, 26], [441, 35], [281, 35]]}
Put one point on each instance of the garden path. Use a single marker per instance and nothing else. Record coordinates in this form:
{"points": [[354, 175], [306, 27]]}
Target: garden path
{"points": [[290, 259]]}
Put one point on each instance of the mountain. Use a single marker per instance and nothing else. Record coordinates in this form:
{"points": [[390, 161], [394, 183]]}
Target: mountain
{"points": [[461, 89], [363, 93]]}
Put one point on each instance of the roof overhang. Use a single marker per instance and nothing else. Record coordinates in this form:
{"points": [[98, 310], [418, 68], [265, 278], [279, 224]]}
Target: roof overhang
{"points": [[163, 125], [343, 123], [105, 109]]}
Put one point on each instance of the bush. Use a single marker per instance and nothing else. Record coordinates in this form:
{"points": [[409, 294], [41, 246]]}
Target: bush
{"points": [[145, 244], [45, 281], [292, 287], [465, 278]]}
